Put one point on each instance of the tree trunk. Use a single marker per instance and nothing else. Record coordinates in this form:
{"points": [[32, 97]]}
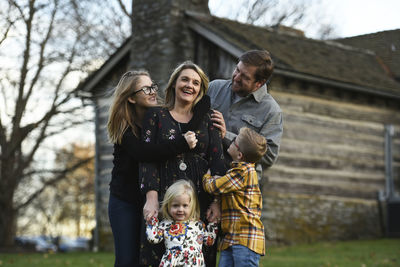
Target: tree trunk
{"points": [[7, 223]]}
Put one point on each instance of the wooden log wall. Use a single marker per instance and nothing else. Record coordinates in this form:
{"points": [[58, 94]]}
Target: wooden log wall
{"points": [[331, 164]]}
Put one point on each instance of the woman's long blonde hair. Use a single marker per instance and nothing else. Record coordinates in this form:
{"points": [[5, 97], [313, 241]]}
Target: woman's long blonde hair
{"points": [[170, 90], [121, 113], [179, 188]]}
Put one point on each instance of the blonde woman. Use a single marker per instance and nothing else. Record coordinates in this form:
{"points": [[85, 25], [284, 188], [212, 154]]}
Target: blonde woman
{"points": [[181, 228], [134, 94], [186, 89]]}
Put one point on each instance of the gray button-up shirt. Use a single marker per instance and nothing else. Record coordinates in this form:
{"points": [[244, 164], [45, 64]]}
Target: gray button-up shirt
{"points": [[258, 111]]}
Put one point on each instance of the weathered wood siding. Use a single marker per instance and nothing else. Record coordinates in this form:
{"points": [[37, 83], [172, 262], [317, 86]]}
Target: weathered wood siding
{"points": [[331, 164]]}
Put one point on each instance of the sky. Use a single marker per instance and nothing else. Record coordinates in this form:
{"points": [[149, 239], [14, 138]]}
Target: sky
{"points": [[350, 17], [356, 17]]}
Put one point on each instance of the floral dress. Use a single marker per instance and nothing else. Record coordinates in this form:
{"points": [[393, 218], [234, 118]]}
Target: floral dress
{"points": [[183, 240], [158, 126]]}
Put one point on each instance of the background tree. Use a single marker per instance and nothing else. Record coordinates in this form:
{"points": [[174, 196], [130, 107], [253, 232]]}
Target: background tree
{"points": [[69, 204], [306, 15], [47, 47]]}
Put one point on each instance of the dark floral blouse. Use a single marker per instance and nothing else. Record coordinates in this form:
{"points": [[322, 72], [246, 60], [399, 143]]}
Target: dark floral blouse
{"points": [[159, 127]]}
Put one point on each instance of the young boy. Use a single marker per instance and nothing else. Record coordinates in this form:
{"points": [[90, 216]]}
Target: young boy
{"points": [[241, 202]]}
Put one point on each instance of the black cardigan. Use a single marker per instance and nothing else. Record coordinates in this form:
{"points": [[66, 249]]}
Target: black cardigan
{"points": [[127, 155]]}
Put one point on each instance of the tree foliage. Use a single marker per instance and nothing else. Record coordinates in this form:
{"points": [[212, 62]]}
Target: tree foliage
{"points": [[47, 47]]}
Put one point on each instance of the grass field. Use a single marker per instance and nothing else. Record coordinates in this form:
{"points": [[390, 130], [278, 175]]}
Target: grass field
{"points": [[383, 252]]}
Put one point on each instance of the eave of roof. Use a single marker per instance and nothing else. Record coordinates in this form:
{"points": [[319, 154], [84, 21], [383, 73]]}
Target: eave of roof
{"points": [[229, 36], [90, 83]]}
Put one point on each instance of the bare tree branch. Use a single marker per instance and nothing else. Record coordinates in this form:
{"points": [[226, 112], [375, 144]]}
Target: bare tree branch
{"points": [[41, 54], [67, 38], [59, 176], [6, 31], [19, 107], [123, 8]]}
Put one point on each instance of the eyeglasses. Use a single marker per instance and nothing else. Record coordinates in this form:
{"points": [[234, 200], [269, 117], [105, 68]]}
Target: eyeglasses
{"points": [[234, 142], [147, 89]]}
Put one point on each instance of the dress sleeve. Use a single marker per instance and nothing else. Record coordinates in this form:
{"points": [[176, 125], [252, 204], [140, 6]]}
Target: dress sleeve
{"points": [[231, 182], [215, 155], [144, 151], [148, 171], [210, 234], [154, 231]]}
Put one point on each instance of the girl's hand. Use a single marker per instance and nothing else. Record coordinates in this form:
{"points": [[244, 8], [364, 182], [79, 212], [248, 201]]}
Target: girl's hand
{"points": [[219, 122], [191, 139], [151, 206]]}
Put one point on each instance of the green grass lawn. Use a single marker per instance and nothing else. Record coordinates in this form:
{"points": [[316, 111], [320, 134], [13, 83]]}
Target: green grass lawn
{"points": [[383, 252]]}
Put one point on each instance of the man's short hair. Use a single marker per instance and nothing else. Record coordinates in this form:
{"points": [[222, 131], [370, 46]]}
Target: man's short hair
{"points": [[252, 145], [260, 59]]}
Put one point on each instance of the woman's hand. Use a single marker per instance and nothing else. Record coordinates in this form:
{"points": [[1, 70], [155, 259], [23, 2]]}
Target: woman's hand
{"points": [[219, 122], [191, 139], [150, 208]]}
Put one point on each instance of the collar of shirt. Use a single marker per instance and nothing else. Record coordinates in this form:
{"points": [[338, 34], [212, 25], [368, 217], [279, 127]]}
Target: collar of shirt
{"points": [[236, 164], [258, 95]]}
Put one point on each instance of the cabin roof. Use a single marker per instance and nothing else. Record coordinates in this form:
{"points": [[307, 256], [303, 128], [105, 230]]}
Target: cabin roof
{"points": [[342, 63], [294, 53]]}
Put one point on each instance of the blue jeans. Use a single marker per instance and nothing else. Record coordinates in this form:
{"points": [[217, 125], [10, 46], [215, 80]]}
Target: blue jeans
{"points": [[238, 256], [125, 220]]}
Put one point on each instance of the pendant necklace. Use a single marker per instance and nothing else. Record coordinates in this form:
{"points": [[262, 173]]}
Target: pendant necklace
{"points": [[182, 165]]}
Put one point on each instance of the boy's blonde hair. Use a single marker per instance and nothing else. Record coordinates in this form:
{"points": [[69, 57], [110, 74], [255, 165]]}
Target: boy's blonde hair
{"points": [[178, 188], [252, 145]]}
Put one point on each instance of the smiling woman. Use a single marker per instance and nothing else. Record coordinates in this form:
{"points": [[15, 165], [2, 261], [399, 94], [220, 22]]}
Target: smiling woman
{"points": [[183, 112], [133, 95]]}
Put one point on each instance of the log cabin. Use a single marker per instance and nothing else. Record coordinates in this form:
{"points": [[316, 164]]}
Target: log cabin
{"points": [[339, 158]]}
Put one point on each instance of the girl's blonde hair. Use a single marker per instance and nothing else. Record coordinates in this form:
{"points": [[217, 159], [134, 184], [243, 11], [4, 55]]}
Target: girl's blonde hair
{"points": [[170, 90], [179, 188], [121, 113]]}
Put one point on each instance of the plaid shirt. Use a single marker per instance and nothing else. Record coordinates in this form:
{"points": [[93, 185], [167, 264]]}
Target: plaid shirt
{"points": [[241, 204]]}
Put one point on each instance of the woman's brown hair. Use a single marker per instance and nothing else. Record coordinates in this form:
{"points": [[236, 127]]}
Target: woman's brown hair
{"points": [[122, 112]]}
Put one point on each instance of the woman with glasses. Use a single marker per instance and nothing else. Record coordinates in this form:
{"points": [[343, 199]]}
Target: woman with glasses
{"points": [[187, 87], [134, 94]]}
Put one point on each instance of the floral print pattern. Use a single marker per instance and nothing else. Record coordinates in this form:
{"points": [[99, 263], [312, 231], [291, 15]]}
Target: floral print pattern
{"points": [[159, 127], [183, 240]]}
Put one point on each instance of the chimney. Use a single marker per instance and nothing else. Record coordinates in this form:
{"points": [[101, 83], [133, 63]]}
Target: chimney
{"points": [[160, 36]]}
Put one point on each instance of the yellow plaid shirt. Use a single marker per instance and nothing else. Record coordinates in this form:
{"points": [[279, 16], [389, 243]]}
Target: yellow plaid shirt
{"points": [[241, 204]]}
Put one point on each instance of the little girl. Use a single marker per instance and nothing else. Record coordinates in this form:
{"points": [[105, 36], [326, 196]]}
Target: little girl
{"points": [[181, 228]]}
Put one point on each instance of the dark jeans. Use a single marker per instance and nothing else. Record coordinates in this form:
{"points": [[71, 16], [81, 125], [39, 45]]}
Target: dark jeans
{"points": [[125, 219]]}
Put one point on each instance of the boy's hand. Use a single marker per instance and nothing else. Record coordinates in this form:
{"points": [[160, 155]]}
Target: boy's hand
{"points": [[214, 212]]}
